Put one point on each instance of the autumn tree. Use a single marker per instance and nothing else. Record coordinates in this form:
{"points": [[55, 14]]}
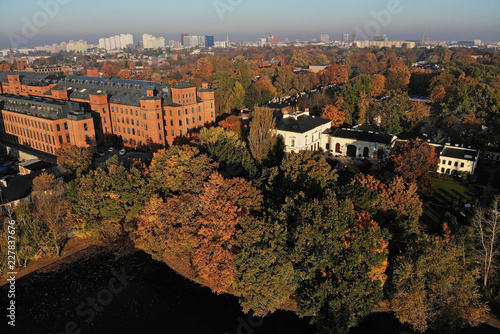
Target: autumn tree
{"points": [[418, 113], [232, 123], [265, 275], [414, 161], [333, 113], [398, 78], [229, 150], [334, 74], [73, 159], [377, 87], [262, 138], [222, 205], [340, 260], [179, 169], [487, 233], [434, 289], [50, 204], [395, 204]]}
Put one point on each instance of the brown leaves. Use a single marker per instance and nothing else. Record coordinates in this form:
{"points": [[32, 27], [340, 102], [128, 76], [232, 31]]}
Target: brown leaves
{"points": [[333, 113]]}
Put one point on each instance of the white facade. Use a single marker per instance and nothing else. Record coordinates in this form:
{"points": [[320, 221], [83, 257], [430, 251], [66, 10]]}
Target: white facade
{"points": [[116, 42], [455, 158], [152, 42], [357, 143], [301, 132]]}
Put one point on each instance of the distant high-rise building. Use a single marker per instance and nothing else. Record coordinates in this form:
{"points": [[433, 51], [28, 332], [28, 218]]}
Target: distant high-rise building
{"points": [[80, 46], [354, 37], [152, 42], [325, 38], [192, 41], [345, 38], [184, 34], [478, 42], [209, 41], [272, 40], [116, 42]]}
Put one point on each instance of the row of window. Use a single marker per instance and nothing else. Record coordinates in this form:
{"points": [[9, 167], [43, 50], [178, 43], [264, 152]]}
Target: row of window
{"points": [[450, 162]]}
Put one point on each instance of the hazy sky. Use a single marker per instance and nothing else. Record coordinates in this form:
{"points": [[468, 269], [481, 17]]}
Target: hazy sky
{"points": [[28, 23]]}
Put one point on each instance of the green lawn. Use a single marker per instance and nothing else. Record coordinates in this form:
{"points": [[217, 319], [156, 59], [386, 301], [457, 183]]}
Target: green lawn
{"points": [[447, 193], [448, 190]]}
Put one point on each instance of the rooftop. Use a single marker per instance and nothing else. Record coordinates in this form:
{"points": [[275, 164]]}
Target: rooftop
{"points": [[301, 124], [368, 136], [459, 153]]}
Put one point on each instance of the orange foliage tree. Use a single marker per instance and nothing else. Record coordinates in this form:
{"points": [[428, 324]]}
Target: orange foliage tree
{"points": [[334, 74], [232, 123], [333, 113], [414, 161]]}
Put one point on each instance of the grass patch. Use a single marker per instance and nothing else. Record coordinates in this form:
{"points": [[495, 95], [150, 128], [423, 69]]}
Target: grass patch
{"points": [[449, 196]]}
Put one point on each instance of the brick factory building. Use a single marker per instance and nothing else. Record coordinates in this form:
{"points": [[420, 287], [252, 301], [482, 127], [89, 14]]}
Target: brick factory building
{"points": [[140, 112]]}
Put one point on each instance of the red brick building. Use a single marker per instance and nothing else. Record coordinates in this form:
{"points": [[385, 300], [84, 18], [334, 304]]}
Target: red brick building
{"points": [[44, 125], [138, 111]]}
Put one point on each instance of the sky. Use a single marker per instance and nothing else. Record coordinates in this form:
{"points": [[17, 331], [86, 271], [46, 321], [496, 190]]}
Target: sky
{"points": [[30, 23]]}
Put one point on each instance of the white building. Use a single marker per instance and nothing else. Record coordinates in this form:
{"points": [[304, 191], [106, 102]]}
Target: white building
{"points": [[300, 131], [357, 143], [77, 46], [152, 42], [456, 158], [116, 42]]}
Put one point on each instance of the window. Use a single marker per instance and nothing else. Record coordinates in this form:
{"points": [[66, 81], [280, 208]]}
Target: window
{"points": [[65, 126], [105, 120], [161, 136], [449, 163], [170, 112], [292, 143], [187, 112], [180, 132], [179, 112], [171, 122], [67, 139], [58, 127], [146, 127], [199, 117], [157, 116], [86, 127], [180, 123], [192, 110], [173, 133], [126, 111], [159, 126], [456, 163], [187, 121], [194, 119], [462, 165]]}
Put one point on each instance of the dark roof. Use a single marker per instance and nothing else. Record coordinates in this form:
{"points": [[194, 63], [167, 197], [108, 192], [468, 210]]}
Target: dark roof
{"points": [[459, 153], [20, 186], [302, 124], [35, 165], [184, 85], [362, 135], [30, 77]]}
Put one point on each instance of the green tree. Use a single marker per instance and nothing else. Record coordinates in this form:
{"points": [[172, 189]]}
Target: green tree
{"points": [[262, 138], [179, 169], [338, 261], [74, 160], [226, 147], [434, 289]]}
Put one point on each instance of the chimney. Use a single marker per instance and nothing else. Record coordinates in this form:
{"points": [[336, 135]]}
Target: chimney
{"points": [[204, 85]]}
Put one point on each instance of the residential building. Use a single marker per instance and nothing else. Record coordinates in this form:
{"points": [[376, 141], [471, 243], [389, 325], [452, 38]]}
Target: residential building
{"points": [[356, 143], [152, 42], [325, 38], [44, 125], [457, 158], [300, 131], [138, 111]]}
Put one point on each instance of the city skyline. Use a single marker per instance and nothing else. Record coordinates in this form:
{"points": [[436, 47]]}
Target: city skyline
{"points": [[51, 21]]}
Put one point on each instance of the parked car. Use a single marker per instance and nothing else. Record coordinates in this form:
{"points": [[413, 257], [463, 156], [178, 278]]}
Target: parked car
{"points": [[122, 152], [111, 149]]}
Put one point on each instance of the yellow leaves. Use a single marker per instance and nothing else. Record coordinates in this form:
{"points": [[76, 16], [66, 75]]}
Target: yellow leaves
{"points": [[378, 273]]}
